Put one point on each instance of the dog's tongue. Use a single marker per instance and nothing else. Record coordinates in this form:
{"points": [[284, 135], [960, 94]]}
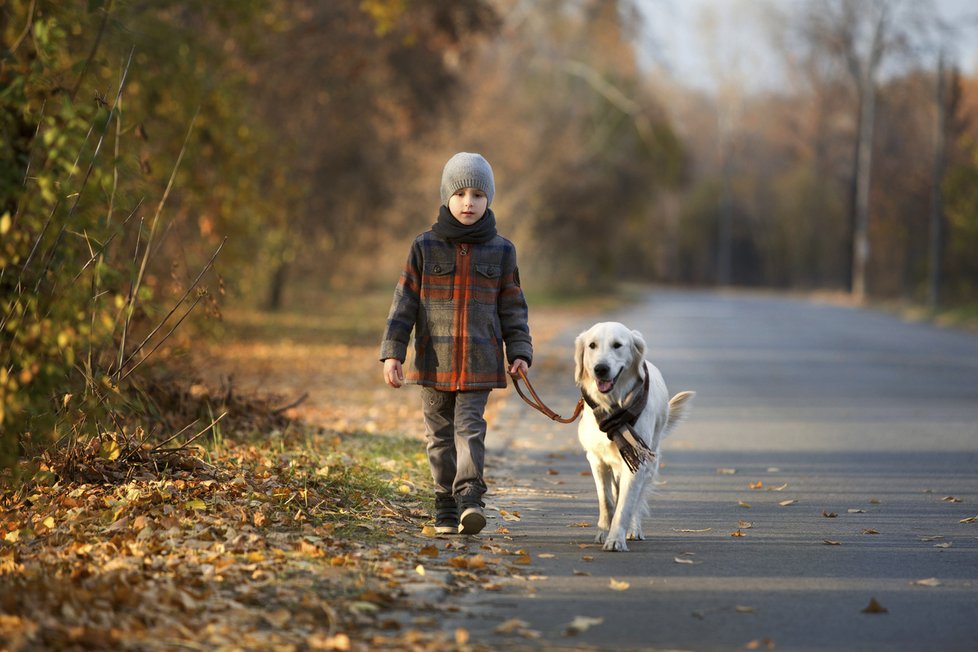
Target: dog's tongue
{"points": [[604, 386]]}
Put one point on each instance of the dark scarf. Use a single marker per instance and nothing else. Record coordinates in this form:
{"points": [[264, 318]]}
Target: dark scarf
{"points": [[448, 228], [618, 423]]}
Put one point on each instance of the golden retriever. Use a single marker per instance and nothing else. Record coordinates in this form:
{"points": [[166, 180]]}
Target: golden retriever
{"points": [[611, 370]]}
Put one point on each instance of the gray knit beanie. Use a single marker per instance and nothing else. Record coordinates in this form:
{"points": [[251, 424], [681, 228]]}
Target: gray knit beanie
{"points": [[467, 170]]}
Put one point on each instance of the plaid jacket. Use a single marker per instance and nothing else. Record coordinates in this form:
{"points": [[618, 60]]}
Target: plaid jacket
{"points": [[463, 302]]}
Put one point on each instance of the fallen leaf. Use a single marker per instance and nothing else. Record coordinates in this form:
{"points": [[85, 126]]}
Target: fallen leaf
{"points": [[686, 531], [856, 511], [511, 626], [580, 524], [616, 585], [870, 530], [743, 504], [745, 525], [502, 530], [461, 636], [582, 573], [943, 545], [773, 469], [588, 558], [723, 471], [970, 519], [930, 581], [786, 503], [755, 485], [419, 569], [875, 607], [429, 531], [553, 472], [523, 559], [738, 533], [546, 555], [935, 537], [829, 514], [744, 609], [581, 624], [951, 499], [757, 644], [429, 551], [509, 516], [683, 560], [778, 488], [829, 542]]}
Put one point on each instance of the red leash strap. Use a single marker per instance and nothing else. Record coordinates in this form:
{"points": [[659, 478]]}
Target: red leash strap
{"points": [[540, 406]]}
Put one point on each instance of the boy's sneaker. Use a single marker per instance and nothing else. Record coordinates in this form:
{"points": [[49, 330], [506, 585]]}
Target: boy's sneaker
{"points": [[446, 515], [472, 520]]}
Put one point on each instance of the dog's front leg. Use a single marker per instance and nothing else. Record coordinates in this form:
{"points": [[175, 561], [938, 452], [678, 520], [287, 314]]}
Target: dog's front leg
{"points": [[629, 491], [603, 484]]}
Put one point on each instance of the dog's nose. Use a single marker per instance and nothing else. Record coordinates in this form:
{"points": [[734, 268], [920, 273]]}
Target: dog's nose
{"points": [[601, 370]]}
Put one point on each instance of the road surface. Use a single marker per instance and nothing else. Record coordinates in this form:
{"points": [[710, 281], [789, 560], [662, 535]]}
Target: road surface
{"points": [[830, 459]]}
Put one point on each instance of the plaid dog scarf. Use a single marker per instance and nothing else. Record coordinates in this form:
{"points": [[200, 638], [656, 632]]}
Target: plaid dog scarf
{"points": [[618, 423]]}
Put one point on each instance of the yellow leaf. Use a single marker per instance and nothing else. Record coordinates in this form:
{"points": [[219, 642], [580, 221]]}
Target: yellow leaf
{"points": [[581, 624], [738, 533], [930, 581], [743, 504], [786, 503], [197, 503], [5, 222], [511, 626], [429, 531], [12, 537], [429, 551], [48, 522], [616, 585], [461, 636], [419, 569]]}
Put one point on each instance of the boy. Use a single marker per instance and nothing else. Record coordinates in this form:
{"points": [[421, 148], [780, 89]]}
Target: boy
{"points": [[460, 292]]}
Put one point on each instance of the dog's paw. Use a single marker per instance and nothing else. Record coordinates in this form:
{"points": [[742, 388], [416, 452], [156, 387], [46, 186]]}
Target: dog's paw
{"points": [[601, 536], [615, 545], [635, 536]]}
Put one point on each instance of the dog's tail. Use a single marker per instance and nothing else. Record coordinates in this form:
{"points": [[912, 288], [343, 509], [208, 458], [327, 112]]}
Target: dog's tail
{"points": [[679, 406]]}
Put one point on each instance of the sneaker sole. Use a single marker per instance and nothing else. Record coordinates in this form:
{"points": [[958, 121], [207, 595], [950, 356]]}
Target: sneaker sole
{"points": [[472, 522], [446, 529]]}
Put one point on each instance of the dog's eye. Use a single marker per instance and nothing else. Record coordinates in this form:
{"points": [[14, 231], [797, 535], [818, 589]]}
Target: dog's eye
{"points": [[592, 345], [616, 345]]}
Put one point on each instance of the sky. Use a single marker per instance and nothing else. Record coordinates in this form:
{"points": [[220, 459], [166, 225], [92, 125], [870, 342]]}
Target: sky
{"points": [[675, 38]]}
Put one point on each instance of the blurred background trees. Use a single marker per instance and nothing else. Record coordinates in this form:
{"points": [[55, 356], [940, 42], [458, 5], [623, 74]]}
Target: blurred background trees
{"points": [[311, 136]]}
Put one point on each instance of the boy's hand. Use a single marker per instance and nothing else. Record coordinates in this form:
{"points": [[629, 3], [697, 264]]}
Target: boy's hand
{"points": [[514, 369], [393, 373]]}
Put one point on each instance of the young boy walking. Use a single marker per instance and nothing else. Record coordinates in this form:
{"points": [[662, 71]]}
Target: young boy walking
{"points": [[460, 293]]}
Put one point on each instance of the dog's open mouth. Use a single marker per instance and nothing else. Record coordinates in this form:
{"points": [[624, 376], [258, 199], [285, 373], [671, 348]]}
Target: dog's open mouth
{"points": [[605, 386]]}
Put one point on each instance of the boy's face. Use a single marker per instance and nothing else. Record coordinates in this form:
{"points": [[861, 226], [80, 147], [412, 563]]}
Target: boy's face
{"points": [[468, 205]]}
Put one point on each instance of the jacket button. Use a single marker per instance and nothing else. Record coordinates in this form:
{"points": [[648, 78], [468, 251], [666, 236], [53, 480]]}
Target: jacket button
{"points": [[436, 269]]}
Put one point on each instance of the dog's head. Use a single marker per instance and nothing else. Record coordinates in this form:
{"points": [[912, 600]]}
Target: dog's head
{"points": [[606, 353]]}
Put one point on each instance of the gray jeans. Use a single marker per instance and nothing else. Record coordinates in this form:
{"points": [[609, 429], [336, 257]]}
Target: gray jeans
{"points": [[455, 429]]}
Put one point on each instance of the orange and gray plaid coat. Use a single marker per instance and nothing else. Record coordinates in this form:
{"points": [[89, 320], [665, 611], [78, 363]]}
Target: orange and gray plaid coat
{"points": [[463, 302]]}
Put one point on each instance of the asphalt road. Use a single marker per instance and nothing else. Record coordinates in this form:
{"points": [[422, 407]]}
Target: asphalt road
{"points": [[866, 423]]}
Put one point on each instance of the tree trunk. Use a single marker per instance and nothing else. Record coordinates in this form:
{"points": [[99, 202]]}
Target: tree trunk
{"points": [[936, 253]]}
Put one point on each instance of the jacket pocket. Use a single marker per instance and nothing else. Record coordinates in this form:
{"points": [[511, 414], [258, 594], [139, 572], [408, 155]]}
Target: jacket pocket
{"points": [[437, 281], [485, 283]]}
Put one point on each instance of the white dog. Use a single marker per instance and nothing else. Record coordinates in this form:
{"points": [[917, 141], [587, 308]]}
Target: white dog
{"points": [[611, 370]]}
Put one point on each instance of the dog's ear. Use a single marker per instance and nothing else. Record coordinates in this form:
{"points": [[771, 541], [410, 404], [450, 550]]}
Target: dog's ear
{"points": [[638, 348], [579, 359]]}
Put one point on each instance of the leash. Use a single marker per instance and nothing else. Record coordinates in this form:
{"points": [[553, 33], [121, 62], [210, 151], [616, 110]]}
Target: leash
{"points": [[539, 405]]}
